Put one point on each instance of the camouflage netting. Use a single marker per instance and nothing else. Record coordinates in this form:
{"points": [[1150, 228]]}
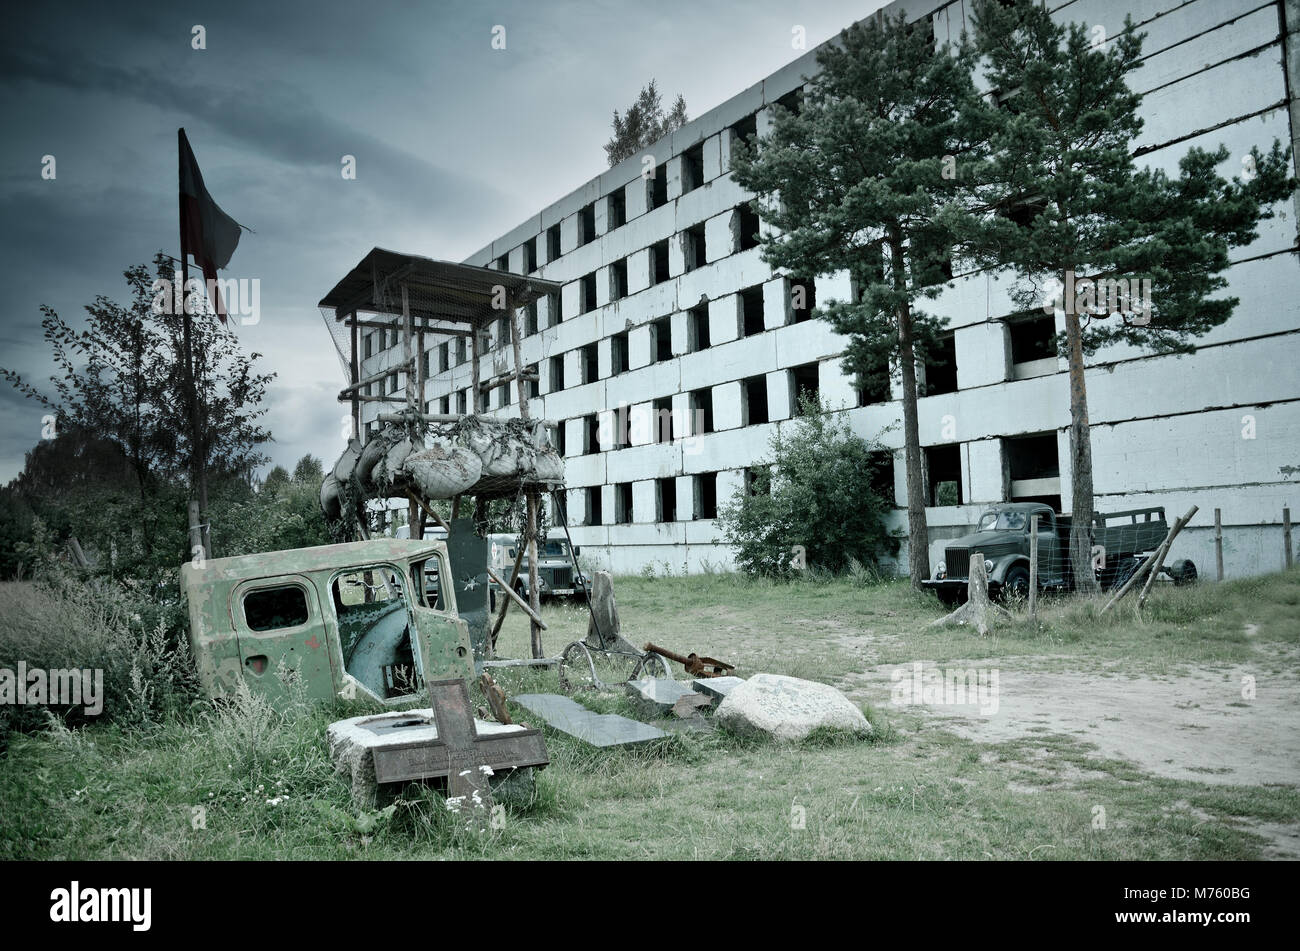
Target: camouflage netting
{"points": [[477, 455]]}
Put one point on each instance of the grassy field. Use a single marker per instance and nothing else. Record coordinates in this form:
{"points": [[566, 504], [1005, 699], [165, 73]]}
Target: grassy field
{"points": [[916, 789]]}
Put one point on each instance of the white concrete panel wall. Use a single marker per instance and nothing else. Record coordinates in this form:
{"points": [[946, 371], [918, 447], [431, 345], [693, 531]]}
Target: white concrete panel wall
{"points": [[1164, 428]]}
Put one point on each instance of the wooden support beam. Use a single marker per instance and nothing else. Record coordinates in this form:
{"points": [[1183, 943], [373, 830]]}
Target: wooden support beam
{"points": [[1033, 566], [534, 595], [1162, 552], [1218, 545], [396, 368], [429, 510], [505, 605], [523, 605], [355, 367]]}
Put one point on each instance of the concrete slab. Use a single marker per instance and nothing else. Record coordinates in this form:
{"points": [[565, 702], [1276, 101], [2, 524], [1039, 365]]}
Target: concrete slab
{"points": [[716, 687], [598, 729], [655, 696]]}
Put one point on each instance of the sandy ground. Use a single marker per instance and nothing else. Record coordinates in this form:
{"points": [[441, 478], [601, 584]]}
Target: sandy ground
{"points": [[1200, 727]]}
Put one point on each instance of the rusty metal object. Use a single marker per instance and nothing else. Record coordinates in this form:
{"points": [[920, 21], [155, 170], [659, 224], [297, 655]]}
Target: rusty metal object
{"points": [[695, 665], [496, 698]]}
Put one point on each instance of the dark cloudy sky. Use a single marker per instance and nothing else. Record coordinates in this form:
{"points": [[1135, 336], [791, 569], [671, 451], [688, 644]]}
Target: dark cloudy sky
{"points": [[455, 144]]}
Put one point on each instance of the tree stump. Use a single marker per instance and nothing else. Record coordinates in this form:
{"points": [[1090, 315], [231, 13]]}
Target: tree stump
{"points": [[978, 610]]}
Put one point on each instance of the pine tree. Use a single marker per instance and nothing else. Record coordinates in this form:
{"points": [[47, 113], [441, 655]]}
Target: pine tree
{"points": [[1063, 164], [863, 177], [644, 124]]}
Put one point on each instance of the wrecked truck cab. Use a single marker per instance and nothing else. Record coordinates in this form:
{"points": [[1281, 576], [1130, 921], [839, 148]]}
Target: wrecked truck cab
{"points": [[348, 620]]}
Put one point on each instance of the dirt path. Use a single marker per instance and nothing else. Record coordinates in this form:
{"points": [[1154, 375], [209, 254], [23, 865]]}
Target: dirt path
{"points": [[1197, 727]]}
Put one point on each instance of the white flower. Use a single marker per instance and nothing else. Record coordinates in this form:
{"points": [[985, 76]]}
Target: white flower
{"points": [[487, 770], [464, 772]]}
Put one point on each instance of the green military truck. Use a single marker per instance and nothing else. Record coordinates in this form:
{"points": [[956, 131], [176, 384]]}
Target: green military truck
{"points": [[1121, 542], [556, 574], [375, 618]]}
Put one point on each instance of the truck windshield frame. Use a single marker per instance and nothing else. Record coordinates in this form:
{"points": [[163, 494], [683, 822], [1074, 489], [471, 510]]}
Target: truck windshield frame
{"points": [[1003, 522]]}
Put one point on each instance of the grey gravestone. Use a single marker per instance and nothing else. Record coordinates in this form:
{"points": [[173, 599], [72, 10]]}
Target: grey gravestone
{"points": [[716, 687], [598, 729], [603, 626], [655, 696]]}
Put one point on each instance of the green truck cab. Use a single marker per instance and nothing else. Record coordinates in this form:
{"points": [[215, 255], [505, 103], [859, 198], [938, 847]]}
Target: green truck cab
{"points": [[1121, 541], [358, 619]]}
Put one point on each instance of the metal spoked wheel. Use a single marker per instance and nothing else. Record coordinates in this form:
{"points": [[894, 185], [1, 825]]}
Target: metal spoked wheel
{"points": [[651, 665], [577, 669]]}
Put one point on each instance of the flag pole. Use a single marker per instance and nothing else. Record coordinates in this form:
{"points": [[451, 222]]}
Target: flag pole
{"points": [[200, 540]]}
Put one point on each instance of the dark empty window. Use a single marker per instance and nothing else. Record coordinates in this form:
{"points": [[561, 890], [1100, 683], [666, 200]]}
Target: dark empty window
{"points": [[803, 298], [657, 188], [701, 411], [530, 318], [530, 255], [1032, 338], [587, 224], [747, 224], [792, 101], [693, 168], [751, 311], [697, 328], [593, 505], [503, 263], [745, 129], [618, 354], [618, 279], [587, 293], [504, 398], [758, 480], [444, 353], [557, 373], [462, 350], [622, 503], [941, 367], [659, 262], [554, 311], [706, 495], [552, 242], [616, 209], [590, 434], [943, 475], [444, 406], [803, 385], [368, 346], [754, 395], [881, 476], [693, 247], [462, 402], [270, 609], [661, 339], [667, 492], [561, 437], [589, 363], [662, 419]]}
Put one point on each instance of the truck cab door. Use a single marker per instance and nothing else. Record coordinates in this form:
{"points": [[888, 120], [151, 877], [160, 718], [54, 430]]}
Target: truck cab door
{"points": [[442, 636], [282, 637]]}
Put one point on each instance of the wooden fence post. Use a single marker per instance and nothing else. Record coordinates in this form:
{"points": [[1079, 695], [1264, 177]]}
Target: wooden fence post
{"points": [[1218, 545], [1033, 566], [1286, 535]]}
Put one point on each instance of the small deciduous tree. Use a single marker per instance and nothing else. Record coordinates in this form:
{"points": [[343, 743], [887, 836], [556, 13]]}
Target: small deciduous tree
{"points": [[814, 503], [644, 123]]}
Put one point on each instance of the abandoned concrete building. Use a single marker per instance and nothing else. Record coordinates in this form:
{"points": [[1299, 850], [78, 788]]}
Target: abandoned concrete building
{"points": [[674, 350]]}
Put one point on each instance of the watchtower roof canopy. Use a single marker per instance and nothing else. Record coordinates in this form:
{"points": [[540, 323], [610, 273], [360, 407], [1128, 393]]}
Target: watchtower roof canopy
{"points": [[436, 290]]}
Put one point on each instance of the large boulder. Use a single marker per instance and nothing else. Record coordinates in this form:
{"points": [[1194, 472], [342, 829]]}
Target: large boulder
{"points": [[788, 708]]}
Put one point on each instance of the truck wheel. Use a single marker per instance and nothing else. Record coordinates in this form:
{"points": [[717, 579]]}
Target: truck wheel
{"points": [[1016, 584], [1183, 572]]}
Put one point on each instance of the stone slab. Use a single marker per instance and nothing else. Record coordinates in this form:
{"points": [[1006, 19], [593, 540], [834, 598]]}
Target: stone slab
{"points": [[598, 729], [655, 696], [716, 687], [352, 743]]}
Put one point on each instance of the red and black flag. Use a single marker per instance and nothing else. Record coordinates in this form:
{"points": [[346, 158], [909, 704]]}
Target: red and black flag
{"points": [[207, 232]]}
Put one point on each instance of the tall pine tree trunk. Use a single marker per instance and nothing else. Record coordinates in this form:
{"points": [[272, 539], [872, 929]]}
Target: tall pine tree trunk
{"points": [[918, 535], [1080, 461]]}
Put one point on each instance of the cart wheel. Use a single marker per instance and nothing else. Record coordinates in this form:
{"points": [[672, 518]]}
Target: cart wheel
{"points": [[651, 665], [1183, 572], [577, 669]]}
